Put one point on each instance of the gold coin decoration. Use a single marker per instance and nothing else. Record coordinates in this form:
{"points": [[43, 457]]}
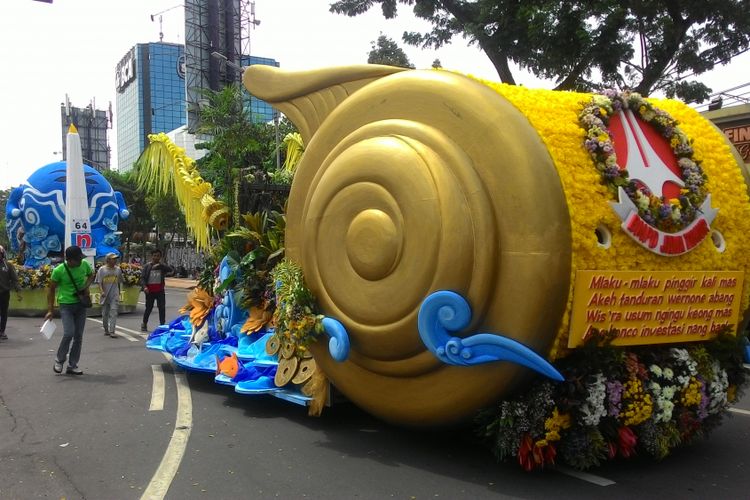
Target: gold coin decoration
{"points": [[285, 371], [287, 349], [273, 345], [305, 371]]}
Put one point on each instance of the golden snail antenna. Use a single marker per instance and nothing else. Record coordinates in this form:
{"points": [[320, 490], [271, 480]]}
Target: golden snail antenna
{"points": [[308, 97]]}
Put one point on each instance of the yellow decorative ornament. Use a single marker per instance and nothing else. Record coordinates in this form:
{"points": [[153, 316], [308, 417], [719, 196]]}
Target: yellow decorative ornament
{"points": [[294, 150], [199, 304], [163, 167], [414, 182]]}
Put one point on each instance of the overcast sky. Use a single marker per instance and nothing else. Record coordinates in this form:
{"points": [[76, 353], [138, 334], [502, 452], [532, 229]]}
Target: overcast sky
{"points": [[72, 46]]}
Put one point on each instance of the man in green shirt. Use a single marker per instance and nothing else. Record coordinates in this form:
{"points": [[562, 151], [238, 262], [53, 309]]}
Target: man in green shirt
{"points": [[74, 273]]}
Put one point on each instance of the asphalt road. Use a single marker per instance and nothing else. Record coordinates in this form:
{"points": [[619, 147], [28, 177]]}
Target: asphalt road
{"points": [[103, 436]]}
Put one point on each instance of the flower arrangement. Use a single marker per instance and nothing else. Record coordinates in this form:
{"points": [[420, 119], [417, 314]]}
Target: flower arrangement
{"points": [[555, 117], [295, 317], [33, 279], [669, 215], [131, 274], [618, 402]]}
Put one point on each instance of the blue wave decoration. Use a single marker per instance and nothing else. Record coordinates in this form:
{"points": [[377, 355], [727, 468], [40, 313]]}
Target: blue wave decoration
{"points": [[445, 311], [338, 344]]}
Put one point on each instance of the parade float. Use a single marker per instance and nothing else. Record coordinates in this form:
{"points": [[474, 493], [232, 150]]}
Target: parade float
{"points": [[565, 270], [60, 204]]}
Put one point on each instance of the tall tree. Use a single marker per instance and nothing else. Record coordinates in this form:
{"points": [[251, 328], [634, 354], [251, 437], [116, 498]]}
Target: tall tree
{"points": [[386, 51], [239, 150], [140, 220], [645, 46], [167, 218]]}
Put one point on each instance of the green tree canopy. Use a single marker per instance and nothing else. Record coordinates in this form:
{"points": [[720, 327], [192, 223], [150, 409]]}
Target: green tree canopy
{"points": [[645, 46], [387, 51], [146, 211], [239, 150]]}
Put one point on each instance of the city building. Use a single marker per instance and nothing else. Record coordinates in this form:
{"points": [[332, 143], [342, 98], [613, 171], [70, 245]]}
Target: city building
{"points": [[150, 85], [152, 98], [734, 121], [93, 125]]}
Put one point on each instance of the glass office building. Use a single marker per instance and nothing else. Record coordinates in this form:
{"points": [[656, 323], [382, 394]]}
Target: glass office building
{"points": [[150, 81], [151, 97]]}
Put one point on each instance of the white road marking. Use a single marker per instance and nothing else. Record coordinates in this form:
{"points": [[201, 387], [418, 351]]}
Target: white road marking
{"points": [[170, 463], [122, 331], [740, 411], [157, 389], [127, 336], [585, 476], [139, 334]]}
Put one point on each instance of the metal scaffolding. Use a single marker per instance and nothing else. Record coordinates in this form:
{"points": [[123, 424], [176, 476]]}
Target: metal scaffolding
{"points": [[92, 125], [210, 26]]}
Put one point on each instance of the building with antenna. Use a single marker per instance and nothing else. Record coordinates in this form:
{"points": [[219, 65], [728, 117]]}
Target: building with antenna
{"points": [[93, 126], [160, 85]]}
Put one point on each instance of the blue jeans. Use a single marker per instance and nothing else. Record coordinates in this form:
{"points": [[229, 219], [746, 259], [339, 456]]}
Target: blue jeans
{"points": [[73, 318]]}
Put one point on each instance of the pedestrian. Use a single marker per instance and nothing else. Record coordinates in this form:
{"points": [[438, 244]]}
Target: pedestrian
{"points": [[109, 279], [67, 280], [8, 281], [152, 283]]}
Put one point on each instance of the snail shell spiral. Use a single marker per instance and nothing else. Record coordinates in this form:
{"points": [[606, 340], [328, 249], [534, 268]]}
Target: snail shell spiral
{"points": [[421, 181]]}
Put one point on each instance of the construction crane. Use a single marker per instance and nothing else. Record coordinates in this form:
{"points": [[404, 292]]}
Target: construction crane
{"points": [[161, 33]]}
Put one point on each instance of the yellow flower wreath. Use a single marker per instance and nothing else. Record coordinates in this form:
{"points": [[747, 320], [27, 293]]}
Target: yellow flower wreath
{"points": [[555, 117]]}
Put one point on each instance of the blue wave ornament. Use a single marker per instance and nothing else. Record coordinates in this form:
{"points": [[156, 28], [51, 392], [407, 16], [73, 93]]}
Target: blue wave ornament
{"points": [[445, 311], [338, 344]]}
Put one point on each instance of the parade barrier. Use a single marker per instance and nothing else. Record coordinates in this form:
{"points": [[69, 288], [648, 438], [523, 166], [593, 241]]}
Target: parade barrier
{"points": [[566, 268]]}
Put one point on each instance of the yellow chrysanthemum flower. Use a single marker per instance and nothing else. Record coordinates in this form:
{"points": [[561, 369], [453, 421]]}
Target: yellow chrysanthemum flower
{"points": [[555, 117]]}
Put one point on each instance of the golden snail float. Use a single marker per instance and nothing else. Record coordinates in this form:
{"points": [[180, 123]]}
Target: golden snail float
{"points": [[442, 223]]}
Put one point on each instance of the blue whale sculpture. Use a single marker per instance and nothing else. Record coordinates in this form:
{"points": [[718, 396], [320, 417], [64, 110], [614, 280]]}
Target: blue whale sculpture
{"points": [[35, 214]]}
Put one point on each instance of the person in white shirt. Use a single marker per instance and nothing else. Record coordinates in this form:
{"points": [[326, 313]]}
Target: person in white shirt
{"points": [[109, 279]]}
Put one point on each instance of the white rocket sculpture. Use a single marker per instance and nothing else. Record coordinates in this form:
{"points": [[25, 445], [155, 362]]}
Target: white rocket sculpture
{"points": [[77, 223]]}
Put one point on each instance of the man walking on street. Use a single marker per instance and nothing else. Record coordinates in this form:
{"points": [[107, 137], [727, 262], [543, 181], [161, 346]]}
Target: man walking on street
{"points": [[152, 283], [109, 278], [8, 281], [66, 281]]}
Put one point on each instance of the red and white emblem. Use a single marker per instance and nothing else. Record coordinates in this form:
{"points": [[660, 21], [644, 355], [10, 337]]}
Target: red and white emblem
{"points": [[650, 162]]}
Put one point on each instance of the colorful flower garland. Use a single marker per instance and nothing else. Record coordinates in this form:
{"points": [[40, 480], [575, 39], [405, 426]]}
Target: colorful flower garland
{"points": [[669, 215], [32, 279], [618, 403]]}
